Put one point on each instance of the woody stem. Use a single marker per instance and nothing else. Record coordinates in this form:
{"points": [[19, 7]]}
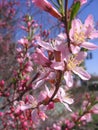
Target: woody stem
{"points": [[57, 84]]}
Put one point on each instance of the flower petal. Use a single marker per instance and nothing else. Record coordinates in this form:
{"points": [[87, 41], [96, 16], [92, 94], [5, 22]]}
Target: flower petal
{"points": [[75, 49], [89, 21], [34, 116], [68, 100], [58, 65], [81, 56], [46, 6], [68, 78], [39, 84], [93, 34], [25, 107], [45, 45], [89, 45], [82, 73], [67, 106], [61, 37]]}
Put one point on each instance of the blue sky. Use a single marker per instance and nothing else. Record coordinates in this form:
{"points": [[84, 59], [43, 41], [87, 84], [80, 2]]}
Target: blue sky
{"points": [[91, 64]]}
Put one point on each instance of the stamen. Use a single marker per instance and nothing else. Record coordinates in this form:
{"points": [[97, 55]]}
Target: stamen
{"points": [[72, 63], [79, 37]]}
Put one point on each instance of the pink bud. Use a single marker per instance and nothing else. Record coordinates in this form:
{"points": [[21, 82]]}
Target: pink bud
{"points": [[50, 106]]}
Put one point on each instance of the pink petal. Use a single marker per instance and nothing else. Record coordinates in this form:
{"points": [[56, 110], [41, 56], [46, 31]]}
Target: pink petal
{"points": [[81, 1], [89, 21], [58, 65], [34, 116], [81, 56], [82, 73], [68, 78], [95, 109], [25, 107], [39, 84], [75, 49], [31, 99], [61, 37], [40, 58], [46, 6], [89, 45], [76, 25], [45, 45], [94, 34], [69, 100]]}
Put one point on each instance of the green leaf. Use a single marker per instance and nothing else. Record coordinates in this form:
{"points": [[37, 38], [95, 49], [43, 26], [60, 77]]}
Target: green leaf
{"points": [[74, 11], [80, 112]]}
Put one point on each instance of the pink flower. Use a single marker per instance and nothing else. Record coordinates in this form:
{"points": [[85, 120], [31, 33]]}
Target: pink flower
{"points": [[42, 115], [37, 112], [83, 2], [23, 42], [87, 117], [63, 97], [95, 109], [32, 103], [40, 58], [58, 47], [46, 6], [81, 33], [71, 64]]}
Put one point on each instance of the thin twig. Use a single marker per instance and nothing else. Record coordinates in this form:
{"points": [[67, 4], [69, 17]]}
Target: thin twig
{"points": [[66, 24]]}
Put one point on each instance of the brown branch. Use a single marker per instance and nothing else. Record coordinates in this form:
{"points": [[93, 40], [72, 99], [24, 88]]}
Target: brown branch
{"points": [[66, 24], [57, 84]]}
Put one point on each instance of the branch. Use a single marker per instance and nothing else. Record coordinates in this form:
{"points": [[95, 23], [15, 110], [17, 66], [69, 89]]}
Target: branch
{"points": [[66, 23], [57, 84]]}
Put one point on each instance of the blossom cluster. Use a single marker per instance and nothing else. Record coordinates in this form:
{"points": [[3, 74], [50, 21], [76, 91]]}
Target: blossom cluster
{"points": [[46, 69]]}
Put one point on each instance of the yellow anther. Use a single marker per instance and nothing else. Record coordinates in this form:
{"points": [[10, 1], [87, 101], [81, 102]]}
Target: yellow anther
{"points": [[72, 63], [79, 37]]}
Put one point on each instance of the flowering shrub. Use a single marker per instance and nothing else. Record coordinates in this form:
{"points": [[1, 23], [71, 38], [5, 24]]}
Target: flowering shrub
{"points": [[45, 71]]}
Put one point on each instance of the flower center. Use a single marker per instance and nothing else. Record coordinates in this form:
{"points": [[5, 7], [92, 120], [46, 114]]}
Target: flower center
{"points": [[72, 63], [79, 37]]}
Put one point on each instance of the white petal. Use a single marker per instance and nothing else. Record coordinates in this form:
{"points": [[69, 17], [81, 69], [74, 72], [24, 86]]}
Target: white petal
{"points": [[67, 106], [61, 93], [47, 90]]}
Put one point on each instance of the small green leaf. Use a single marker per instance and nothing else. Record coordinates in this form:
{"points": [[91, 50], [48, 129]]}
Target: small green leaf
{"points": [[80, 112], [74, 11]]}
